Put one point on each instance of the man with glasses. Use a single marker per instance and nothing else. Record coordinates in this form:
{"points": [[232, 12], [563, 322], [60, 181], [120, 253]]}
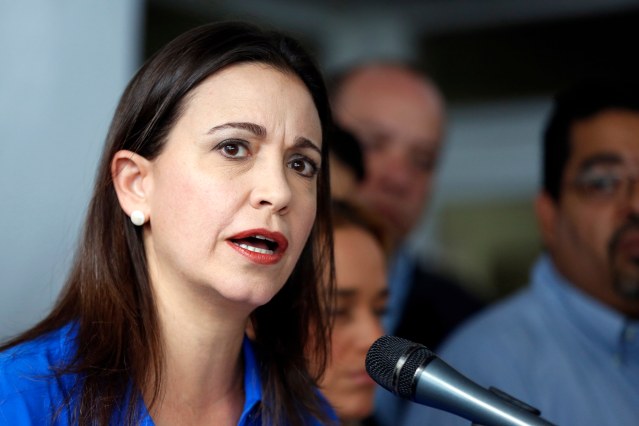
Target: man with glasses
{"points": [[569, 343]]}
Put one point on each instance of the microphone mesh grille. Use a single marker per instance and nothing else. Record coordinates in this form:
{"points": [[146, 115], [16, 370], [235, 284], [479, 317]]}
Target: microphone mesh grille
{"points": [[407, 373], [382, 359]]}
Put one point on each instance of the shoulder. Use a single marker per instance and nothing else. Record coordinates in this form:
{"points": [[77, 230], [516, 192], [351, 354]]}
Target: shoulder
{"points": [[490, 349], [38, 356], [503, 317], [253, 392], [29, 387], [510, 330]]}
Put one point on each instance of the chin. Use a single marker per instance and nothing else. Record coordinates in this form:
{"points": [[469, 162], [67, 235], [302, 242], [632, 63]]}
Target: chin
{"points": [[627, 288], [355, 415], [359, 407], [253, 296], [626, 280]]}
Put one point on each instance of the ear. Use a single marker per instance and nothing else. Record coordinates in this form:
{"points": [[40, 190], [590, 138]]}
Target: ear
{"points": [[129, 172], [547, 214]]}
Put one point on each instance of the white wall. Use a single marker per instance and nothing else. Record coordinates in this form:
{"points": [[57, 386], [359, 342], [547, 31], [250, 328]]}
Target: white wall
{"points": [[492, 156], [64, 65], [492, 152]]}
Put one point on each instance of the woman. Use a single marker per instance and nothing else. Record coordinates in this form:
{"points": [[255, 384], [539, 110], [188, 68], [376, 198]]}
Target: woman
{"points": [[202, 223], [362, 292]]}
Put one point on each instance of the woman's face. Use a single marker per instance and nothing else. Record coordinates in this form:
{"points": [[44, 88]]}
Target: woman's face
{"points": [[362, 292], [232, 196]]}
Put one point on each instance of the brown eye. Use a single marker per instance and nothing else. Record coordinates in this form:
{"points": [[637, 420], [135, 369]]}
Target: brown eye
{"points": [[233, 149], [604, 184], [600, 184], [423, 163], [304, 166]]}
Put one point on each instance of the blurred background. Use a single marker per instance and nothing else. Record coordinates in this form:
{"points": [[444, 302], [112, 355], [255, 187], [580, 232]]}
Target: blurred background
{"points": [[498, 62]]}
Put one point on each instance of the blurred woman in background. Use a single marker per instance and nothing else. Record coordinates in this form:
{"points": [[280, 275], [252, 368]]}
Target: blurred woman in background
{"points": [[360, 248]]}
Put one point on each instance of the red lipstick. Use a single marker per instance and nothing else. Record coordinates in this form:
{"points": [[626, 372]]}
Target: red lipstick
{"points": [[260, 245]]}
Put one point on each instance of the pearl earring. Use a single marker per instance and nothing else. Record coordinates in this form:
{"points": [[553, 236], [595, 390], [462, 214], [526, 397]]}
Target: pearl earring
{"points": [[137, 217]]}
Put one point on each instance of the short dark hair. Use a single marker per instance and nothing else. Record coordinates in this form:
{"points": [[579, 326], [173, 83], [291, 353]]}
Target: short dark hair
{"points": [[579, 102]]}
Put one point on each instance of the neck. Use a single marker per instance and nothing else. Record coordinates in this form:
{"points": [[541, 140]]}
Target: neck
{"points": [[202, 338]]}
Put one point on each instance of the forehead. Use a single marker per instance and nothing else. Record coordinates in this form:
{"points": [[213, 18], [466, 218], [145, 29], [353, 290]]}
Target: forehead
{"points": [[359, 257], [258, 93], [391, 101], [608, 133]]}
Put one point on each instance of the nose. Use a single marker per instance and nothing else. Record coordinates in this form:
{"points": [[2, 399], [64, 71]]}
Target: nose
{"points": [[395, 171], [271, 189], [633, 195], [370, 331]]}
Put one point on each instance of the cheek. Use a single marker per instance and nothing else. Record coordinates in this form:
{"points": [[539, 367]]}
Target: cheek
{"points": [[189, 205], [302, 222], [376, 164], [172, 200], [338, 351], [340, 342], [422, 185], [588, 232]]}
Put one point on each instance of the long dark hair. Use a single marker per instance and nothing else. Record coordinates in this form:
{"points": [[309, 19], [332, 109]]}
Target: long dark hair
{"points": [[108, 294]]}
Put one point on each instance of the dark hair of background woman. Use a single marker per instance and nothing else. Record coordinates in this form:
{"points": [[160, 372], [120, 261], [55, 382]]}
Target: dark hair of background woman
{"points": [[349, 214], [108, 295]]}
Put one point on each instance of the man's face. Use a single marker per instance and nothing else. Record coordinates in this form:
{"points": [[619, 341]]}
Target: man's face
{"points": [[398, 119], [593, 231]]}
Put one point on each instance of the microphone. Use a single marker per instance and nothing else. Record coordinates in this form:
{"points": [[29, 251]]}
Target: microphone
{"points": [[412, 371]]}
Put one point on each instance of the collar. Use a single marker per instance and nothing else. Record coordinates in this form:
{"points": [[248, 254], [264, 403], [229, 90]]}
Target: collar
{"points": [[252, 391], [400, 268], [252, 384], [597, 322]]}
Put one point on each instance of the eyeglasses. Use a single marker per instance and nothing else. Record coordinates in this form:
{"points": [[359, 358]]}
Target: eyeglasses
{"points": [[605, 184]]}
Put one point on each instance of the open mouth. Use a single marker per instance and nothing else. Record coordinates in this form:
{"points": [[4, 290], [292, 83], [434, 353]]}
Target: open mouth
{"points": [[257, 243], [260, 245]]}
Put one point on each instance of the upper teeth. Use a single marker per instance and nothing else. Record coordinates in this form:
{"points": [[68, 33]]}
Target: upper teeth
{"points": [[262, 237], [255, 249]]}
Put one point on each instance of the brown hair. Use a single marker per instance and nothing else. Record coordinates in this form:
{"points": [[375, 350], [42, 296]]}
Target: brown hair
{"points": [[108, 296], [346, 213]]}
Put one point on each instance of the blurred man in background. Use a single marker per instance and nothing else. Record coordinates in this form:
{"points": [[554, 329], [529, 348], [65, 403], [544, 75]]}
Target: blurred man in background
{"points": [[397, 114], [569, 343]]}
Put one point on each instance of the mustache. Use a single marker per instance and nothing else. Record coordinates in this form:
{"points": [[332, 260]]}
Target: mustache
{"points": [[632, 224]]}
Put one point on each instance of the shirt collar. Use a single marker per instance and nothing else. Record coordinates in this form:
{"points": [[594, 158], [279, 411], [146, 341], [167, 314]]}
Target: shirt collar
{"points": [[252, 384], [252, 390], [596, 320], [399, 282]]}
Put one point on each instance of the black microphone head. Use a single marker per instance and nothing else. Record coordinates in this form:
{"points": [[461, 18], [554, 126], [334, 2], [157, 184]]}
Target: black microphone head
{"points": [[392, 362]]}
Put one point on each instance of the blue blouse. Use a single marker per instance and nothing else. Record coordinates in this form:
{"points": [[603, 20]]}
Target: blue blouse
{"points": [[30, 394]]}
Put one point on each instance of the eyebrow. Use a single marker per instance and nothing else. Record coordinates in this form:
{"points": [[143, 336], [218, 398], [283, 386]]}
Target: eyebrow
{"points": [[600, 159], [384, 293], [351, 292], [256, 129], [302, 142], [260, 131], [346, 293]]}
